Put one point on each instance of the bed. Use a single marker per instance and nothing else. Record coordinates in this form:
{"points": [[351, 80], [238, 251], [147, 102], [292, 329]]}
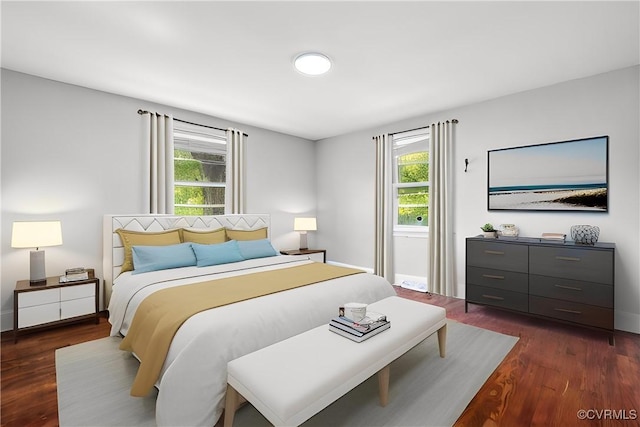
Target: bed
{"points": [[192, 381]]}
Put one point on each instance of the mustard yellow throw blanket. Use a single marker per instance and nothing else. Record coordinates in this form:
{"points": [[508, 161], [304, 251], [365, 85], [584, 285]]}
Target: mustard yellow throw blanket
{"points": [[161, 314]]}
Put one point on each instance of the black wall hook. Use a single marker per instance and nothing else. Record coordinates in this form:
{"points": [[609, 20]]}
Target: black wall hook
{"points": [[466, 164]]}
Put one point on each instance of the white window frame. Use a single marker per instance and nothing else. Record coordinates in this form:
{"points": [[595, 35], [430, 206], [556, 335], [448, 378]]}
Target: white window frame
{"points": [[189, 137], [406, 143]]}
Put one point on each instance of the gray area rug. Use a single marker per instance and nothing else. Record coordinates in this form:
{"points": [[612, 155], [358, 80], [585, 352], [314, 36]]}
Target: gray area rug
{"points": [[425, 390]]}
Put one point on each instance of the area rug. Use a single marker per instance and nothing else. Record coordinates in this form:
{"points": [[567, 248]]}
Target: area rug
{"points": [[425, 389]]}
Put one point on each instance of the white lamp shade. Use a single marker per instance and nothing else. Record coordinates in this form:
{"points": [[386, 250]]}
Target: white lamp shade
{"points": [[304, 224], [36, 234]]}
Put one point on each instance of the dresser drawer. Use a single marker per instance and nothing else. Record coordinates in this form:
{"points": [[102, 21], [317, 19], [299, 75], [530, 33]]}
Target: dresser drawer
{"points": [[498, 256], [507, 280], [572, 263], [497, 297], [572, 290], [38, 297], [78, 291], [583, 314], [77, 307], [39, 314]]}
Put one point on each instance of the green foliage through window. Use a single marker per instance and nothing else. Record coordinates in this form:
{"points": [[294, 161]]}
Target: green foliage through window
{"points": [[200, 180], [412, 188], [414, 167]]}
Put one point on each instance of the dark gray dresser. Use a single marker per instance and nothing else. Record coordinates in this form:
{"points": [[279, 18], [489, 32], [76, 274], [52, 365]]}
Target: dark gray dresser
{"points": [[563, 281]]}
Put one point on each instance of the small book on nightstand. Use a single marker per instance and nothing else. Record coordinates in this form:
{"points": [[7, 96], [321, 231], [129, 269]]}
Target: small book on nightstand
{"points": [[76, 274]]}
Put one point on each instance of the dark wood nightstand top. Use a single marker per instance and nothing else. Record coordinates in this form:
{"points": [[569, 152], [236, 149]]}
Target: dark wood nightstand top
{"points": [[306, 252], [52, 282]]}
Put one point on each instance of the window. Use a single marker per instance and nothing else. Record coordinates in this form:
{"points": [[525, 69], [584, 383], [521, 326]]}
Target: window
{"points": [[200, 170], [411, 181]]}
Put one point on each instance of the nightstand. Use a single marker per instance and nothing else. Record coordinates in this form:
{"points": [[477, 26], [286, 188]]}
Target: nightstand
{"points": [[307, 252], [54, 304]]}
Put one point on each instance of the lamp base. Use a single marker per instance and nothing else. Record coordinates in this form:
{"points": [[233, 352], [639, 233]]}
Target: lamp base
{"points": [[37, 275], [303, 240]]}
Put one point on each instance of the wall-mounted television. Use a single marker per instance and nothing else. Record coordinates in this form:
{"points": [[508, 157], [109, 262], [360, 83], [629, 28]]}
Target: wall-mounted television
{"points": [[556, 176]]}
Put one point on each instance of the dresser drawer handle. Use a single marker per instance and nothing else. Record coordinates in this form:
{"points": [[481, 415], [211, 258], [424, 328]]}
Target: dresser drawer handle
{"points": [[571, 288], [492, 276], [493, 297], [564, 310], [567, 258], [493, 252]]}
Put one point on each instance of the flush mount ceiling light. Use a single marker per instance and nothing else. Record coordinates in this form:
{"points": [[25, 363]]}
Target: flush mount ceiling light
{"points": [[312, 63]]}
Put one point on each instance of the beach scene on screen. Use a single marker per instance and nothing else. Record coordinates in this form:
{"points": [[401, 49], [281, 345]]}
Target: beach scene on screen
{"points": [[568, 175]]}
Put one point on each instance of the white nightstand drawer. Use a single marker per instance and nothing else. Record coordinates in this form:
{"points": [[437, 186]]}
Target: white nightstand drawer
{"points": [[30, 316], [318, 257], [33, 298], [77, 307], [75, 292]]}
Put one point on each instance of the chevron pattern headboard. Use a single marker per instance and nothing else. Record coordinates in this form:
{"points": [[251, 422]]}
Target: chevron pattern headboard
{"points": [[113, 251]]}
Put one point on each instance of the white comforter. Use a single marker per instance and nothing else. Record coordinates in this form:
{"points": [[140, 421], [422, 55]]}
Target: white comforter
{"points": [[193, 380]]}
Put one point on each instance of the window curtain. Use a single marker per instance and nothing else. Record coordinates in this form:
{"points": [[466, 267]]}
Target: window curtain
{"points": [[441, 263], [235, 172], [383, 263], [158, 173]]}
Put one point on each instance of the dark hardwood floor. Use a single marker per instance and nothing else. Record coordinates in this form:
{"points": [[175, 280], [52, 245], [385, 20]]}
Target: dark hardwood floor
{"points": [[552, 373]]}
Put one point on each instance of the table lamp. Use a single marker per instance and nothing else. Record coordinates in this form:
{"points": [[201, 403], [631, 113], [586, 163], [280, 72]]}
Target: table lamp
{"points": [[302, 225], [36, 234]]}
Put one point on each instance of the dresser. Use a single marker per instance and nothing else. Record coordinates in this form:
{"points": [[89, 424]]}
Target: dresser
{"points": [[53, 304], [567, 282]]}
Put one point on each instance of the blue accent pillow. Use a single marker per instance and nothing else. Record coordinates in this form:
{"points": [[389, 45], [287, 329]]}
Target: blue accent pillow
{"points": [[218, 253], [153, 258], [256, 248]]}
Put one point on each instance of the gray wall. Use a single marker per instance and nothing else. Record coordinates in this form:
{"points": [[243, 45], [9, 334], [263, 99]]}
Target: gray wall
{"points": [[74, 154], [606, 104]]}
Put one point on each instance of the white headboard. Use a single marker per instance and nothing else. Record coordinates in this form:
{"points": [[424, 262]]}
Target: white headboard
{"points": [[113, 251]]}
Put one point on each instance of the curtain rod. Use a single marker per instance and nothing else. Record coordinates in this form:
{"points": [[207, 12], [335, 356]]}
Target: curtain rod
{"points": [[423, 127], [189, 123]]}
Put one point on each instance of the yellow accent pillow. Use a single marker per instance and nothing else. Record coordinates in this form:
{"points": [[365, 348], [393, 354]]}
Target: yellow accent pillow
{"points": [[204, 237], [258, 234], [144, 238]]}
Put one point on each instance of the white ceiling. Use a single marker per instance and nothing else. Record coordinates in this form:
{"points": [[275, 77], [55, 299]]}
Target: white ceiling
{"points": [[392, 60]]}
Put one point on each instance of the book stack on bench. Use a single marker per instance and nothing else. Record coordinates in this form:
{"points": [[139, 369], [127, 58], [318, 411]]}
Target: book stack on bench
{"points": [[371, 325]]}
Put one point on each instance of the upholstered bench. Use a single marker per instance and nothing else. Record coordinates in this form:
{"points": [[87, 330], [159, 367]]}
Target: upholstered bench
{"points": [[290, 381]]}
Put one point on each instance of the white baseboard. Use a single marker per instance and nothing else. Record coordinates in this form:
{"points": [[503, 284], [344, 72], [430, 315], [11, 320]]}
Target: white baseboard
{"points": [[340, 264], [629, 322], [6, 320]]}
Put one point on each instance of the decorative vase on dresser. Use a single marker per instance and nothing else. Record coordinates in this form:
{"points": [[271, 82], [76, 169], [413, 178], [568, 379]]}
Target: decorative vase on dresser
{"points": [[563, 281]]}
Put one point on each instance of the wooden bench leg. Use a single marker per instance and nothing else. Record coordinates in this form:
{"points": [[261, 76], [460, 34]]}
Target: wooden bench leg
{"points": [[232, 400], [442, 340], [383, 384]]}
